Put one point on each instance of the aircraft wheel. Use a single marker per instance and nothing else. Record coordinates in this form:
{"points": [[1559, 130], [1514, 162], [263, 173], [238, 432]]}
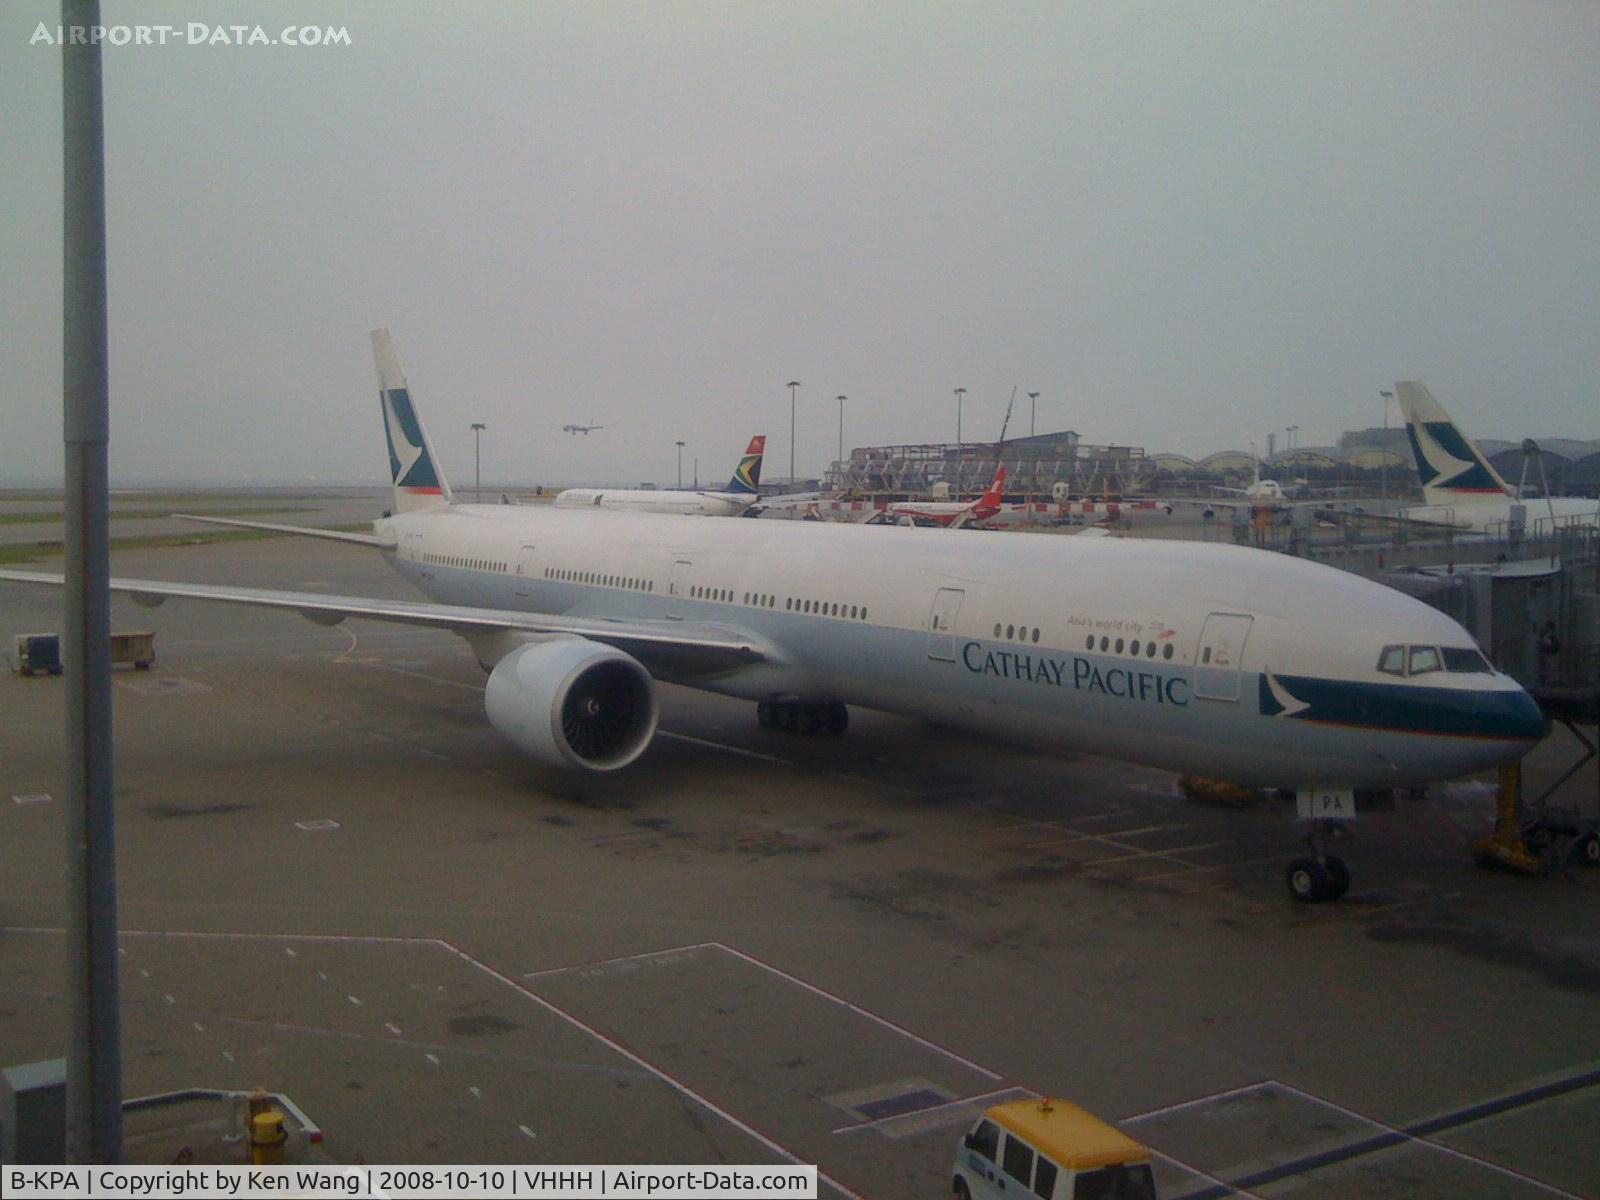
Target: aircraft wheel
{"points": [[764, 714], [961, 1190], [1338, 876], [1308, 881], [809, 719], [836, 720], [1587, 851], [789, 716]]}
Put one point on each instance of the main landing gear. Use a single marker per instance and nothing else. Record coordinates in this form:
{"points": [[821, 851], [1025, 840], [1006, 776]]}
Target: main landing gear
{"points": [[797, 716], [1319, 876]]}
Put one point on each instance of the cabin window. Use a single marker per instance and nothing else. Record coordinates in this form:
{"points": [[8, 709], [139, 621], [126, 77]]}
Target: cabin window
{"points": [[1089, 645], [1036, 633], [1424, 659], [985, 1140], [863, 614], [1019, 1158], [1150, 650], [1119, 645], [1166, 651], [1393, 660], [1466, 661], [1011, 631], [997, 629], [1044, 1178]]}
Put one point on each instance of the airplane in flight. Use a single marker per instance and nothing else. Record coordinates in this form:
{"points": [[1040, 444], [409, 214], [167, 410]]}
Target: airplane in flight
{"points": [[583, 429], [948, 514], [1459, 486], [1206, 659], [736, 500]]}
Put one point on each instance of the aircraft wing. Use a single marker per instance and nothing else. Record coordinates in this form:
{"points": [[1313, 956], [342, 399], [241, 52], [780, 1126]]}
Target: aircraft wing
{"points": [[332, 535], [678, 646]]}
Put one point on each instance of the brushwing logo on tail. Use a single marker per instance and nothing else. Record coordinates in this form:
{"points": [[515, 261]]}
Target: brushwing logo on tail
{"points": [[410, 466], [1446, 460]]}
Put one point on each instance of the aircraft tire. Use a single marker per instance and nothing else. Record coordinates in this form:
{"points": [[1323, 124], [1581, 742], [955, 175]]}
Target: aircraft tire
{"points": [[789, 716], [764, 714], [1338, 876], [809, 719], [1308, 881], [836, 719], [961, 1190], [1587, 851]]}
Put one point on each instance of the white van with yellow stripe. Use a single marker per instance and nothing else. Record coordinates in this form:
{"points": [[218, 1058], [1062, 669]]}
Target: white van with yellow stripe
{"points": [[1052, 1150]]}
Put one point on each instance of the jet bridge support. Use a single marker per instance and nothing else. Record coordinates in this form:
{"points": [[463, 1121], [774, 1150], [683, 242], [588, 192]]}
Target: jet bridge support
{"points": [[1505, 847]]}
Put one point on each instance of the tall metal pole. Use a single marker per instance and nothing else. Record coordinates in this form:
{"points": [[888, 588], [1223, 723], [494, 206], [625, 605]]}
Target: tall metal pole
{"points": [[680, 464], [960, 392], [1033, 410], [94, 1051], [1383, 462], [842, 399], [791, 385], [477, 445]]}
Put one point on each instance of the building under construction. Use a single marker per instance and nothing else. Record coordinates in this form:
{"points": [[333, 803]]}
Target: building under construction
{"points": [[1034, 466]]}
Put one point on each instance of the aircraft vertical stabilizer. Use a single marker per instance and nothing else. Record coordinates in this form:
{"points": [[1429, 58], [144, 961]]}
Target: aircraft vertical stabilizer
{"points": [[746, 479], [1451, 468], [413, 467]]}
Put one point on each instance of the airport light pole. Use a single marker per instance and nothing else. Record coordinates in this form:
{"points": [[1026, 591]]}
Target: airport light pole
{"points": [[477, 459], [1383, 451], [1033, 410], [680, 464], [94, 1030], [960, 393], [791, 385], [842, 399]]}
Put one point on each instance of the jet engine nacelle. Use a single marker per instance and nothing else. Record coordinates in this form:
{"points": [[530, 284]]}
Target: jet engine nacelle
{"points": [[573, 703]]}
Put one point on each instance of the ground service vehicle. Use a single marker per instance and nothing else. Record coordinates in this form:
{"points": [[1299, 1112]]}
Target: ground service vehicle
{"points": [[1050, 1149]]}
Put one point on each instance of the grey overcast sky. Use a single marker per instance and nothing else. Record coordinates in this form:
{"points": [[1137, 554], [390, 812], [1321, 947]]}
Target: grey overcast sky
{"points": [[1184, 224]]}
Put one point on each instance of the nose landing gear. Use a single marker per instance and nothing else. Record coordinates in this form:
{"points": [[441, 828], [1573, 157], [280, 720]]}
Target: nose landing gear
{"points": [[1319, 876]]}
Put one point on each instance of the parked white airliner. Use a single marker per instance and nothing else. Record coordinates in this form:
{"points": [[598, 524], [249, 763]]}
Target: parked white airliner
{"points": [[735, 500], [1223, 661], [1460, 486]]}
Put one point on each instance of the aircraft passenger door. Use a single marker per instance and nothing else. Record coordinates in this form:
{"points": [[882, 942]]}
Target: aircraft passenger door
{"points": [[1216, 670], [525, 571], [677, 586], [942, 624]]}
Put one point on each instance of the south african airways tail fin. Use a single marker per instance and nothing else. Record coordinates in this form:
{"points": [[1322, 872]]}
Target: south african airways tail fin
{"points": [[413, 467], [746, 479], [1450, 467]]}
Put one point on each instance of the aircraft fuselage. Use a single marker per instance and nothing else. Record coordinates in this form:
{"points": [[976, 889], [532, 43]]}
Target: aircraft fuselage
{"points": [[1217, 660]]}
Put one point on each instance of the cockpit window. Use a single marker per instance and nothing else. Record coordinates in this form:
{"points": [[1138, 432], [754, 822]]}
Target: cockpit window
{"points": [[1466, 661], [1393, 660], [1424, 659]]}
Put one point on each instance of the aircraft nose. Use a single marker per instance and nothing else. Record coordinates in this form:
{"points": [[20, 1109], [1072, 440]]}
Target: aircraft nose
{"points": [[1521, 718]]}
